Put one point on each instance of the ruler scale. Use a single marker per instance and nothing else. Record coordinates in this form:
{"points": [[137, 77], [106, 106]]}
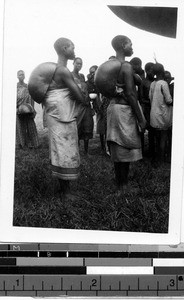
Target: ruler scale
{"points": [[50, 270], [127, 285]]}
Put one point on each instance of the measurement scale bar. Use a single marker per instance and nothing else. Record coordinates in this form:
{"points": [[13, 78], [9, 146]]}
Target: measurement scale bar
{"points": [[91, 285], [55, 270], [118, 262], [22, 261], [25, 261], [120, 270], [175, 262], [42, 270], [51, 261]]}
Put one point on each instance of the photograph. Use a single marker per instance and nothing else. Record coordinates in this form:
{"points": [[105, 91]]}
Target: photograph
{"points": [[91, 120]]}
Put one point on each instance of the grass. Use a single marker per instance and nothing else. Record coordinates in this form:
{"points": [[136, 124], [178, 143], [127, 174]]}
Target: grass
{"points": [[38, 203]]}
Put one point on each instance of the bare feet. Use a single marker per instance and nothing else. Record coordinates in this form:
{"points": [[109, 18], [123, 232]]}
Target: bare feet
{"points": [[70, 196], [127, 189]]}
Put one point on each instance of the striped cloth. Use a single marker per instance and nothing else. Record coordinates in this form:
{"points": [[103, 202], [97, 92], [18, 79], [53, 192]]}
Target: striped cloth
{"points": [[62, 114], [26, 132]]}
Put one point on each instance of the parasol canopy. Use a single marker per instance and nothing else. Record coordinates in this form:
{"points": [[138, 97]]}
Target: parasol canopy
{"points": [[159, 20]]}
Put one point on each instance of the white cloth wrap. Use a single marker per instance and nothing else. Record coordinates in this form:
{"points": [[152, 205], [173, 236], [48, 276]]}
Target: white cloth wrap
{"points": [[61, 115]]}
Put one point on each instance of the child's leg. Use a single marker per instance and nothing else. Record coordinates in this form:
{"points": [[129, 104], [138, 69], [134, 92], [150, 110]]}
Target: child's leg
{"points": [[86, 144], [124, 171], [142, 142], [102, 142], [117, 173], [157, 144], [151, 141], [121, 173], [64, 186], [163, 141]]}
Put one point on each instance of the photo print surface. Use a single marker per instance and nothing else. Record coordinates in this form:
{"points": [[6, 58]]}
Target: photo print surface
{"points": [[82, 160]]}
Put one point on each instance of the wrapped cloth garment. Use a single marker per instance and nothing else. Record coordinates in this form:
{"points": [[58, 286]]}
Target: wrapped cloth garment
{"points": [[161, 108], [122, 133], [23, 96], [100, 106], [85, 127], [85, 130], [26, 131], [62, 114], [121, 154], [122, 126]]}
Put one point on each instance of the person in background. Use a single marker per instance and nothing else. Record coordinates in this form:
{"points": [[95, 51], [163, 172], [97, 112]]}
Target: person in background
{"points": [[170, 80], [64, 102], [77, 66], [146, 105], [161, 110], [90, 80], [123, 117], [136, 63], [101, 111], [96, 103], [100, 104], [26, 132], [91, 87], [85, 128], [100, 107]]}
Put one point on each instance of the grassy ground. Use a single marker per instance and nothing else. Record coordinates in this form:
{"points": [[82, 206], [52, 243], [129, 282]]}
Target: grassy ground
{"points": [[37, 201]]}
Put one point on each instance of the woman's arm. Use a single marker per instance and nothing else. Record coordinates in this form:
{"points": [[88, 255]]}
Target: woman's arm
{"points": [[151, 92], [166, 93], [63, 75], [130, 93]]}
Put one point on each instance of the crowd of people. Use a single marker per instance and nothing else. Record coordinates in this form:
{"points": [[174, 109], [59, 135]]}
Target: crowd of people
{"points": [[139, 110]]}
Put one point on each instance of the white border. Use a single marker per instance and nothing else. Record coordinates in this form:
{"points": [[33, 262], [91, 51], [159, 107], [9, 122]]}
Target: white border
{"points": [[8, 233]]}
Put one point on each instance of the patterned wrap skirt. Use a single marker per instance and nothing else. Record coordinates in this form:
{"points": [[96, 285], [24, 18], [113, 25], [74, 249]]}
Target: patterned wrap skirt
{"points": [[61, 114], [26, 131], [123, 134]]}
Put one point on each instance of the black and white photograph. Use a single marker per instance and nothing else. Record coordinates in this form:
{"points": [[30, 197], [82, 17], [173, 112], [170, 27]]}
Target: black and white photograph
{"points": [[92, 118]]}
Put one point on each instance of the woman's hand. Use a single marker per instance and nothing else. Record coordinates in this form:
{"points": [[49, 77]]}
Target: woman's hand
{"points": [[142, 125]]}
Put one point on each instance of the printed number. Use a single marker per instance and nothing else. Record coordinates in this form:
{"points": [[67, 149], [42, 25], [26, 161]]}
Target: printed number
{"points": [[94, 282], [17, 281], [172, 282]]}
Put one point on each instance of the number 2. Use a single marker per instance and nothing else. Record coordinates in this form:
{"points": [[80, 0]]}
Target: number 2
{"points": [[94, 282]]}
